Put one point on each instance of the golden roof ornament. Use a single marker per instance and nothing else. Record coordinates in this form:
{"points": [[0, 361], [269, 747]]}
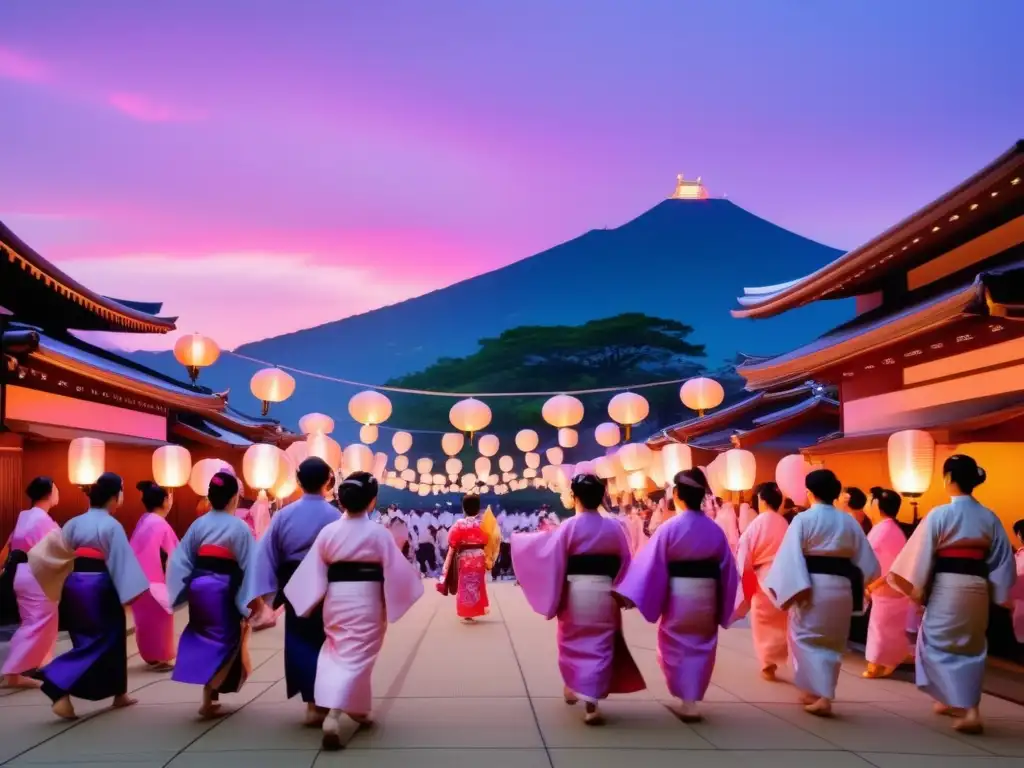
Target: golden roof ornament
{"points": [[689, 190]]}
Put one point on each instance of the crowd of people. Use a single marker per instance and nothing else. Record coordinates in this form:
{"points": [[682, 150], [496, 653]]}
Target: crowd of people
{"points": [[340, 574]]}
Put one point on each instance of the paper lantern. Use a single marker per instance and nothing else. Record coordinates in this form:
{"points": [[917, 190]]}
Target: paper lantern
{"points": [[368, 434], [790, 474], [470, 416], [532, 460], [554, 455], [195, 352], [172, 466], [357, 458], [586, 468], [380, 464], [438, 479], [369, 407], [701, 394], [527, 440], [468, 480], [260, 466], [637, 480], [505, 463], [530, 472], [488, 445], [414, 487], [316, 423], [656, 471], [452, 443], [287, 482], [607, 434], [604, 467], [401, 462], [326, 448], [482, 466], [424, 465], [739, 470], [493, 479], [298, 452], [911, 461], [401, 442], [424, 490], [715, 476], [628, 408], [562, 411], [86, 460], [408, 475], [675, 457], [203, 472], [634, 457], [567, 437], [271, 385], [453, 466]]}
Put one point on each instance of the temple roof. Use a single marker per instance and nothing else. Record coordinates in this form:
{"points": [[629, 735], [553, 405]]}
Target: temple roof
{"points": [[39, 293], [992, 196]]}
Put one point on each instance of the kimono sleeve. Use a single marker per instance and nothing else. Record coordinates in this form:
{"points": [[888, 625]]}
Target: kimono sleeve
{"points": [[244, 546], [266, 561], [122, 565], [646, 583], [1002, 568], [864, 556], [180, 566], [51, 561], [788, 576], [306, 588], [540, 561], [912, 569], [403, 585], [169, 540], [728, 586]]}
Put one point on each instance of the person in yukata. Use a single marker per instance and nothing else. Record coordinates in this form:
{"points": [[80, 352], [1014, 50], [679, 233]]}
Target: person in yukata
{"points": [[90, 564], [287, 541], [1018, 588], [686, 580], [887, 646], [36, 615], [758, 546], [464, 570], [818, 576], [153, 542], [957, 562], [426, 550], [570, 574], [727, 519], [853, 501], [358, 573], [212, 570]]}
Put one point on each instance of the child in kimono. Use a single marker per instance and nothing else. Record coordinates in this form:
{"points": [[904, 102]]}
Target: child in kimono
{"points": [[212, 570], [357, 571], [91, 565], [466, 565], [153, 542]]}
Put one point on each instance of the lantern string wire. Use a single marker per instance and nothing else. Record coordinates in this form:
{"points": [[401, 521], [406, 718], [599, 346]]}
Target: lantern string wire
{"points": [[434, 393]]}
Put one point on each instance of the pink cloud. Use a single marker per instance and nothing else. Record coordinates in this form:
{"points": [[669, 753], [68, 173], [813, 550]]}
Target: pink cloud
{"points": [[145, 109], [17, 66]]}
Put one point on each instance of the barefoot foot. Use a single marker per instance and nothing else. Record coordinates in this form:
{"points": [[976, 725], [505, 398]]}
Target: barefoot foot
{"points": [[944, 710], [807, 698], [124, 700], [20, 681], [593, 715], [768, 673], [315, 716], [62, 708], [331, 741], [570, 697], [970, 723], [211, 710], [820, 708], [687, 712]]}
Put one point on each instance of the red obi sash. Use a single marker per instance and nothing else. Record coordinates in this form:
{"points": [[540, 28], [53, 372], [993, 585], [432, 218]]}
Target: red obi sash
{"points": [[213, 550], [963, 553], [93, 554]]}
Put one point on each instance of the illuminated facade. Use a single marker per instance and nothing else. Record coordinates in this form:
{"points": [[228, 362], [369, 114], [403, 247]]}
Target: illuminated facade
{"points": [[689, 190]]}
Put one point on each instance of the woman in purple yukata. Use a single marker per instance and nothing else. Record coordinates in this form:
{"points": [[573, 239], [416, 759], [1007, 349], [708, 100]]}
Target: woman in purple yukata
{"points": [[212, 570], [686, 578], [153, 542], [570, 574], [92, 567], [357, 572]]}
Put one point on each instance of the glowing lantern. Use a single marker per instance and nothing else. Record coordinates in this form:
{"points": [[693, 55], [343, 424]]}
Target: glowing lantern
{"points": [[567, 500], [656, 471], [628, 408], [911, 460], [530, 472], [488, 445], [424, 465], [607, 434], [739, 470], [468, 480], [715, 476], [401, 462], [438, 479], [567, 437], [505, 463], [357, 458], [453, 466], [482, 466], [532, 460], [604, 467], [172, 466], [298, 452], [260, 466], [271, 385], [637, 480], [634, 457], [408, 475], [701, 394], [562, 411], [368, 434], [401, 442], [195, 352], [414, 487], [585, 468], [380, 464], [790, 474], [452, 443], [316, 423], [203, 472], [326, 448], [287, 482], [86, 460], [675, 457], [554, 455], [369, 407], [527, 440], [470, 416]]}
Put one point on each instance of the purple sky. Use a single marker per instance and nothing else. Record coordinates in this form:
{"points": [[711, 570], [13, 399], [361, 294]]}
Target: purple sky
{"points": [[323, 158]]}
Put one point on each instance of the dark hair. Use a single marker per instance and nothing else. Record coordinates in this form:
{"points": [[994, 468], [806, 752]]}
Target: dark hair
{"points": [[1018, 528], [770, 494], [888, 501], [153, 496], [107, 487], [471, 504], [964, 471], [588, 490], [357, 491], [223, 488], [313, 474], [40, 488], [691, 487], [857, 498], [824, 484]]}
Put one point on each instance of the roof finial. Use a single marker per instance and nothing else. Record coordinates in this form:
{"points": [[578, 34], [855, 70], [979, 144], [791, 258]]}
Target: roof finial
{"points": [[689, 190]]}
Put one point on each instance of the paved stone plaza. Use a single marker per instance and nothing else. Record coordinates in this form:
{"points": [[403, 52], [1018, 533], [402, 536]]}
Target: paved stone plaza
{"points": [[489, 695]]}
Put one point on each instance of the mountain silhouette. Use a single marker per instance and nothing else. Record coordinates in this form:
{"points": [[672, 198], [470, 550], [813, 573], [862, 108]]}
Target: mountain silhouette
{"points": [[683, 259]]}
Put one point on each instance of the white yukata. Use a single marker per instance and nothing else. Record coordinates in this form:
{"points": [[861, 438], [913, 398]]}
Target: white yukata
{"points": [[819, 624], [951, 644]]}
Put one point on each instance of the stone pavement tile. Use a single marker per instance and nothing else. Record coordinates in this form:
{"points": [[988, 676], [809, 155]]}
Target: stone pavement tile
{"points": [[636, 724], [745, 726], [271, 639], [452, 723], [895, 760], [269, 727], [155, 760], [22, 728], [434, 758], [247, 758], [1003, 735], [270, 670], [866, 728], [656, 758], [170, 692]]}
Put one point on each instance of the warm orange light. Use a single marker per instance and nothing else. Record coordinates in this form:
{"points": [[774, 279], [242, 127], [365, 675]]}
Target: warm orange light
{"points": [[607, 434], [527, 440], [675, 457], [316, 423], [326, 448], [369, 407], [172, 466], [271, 385], [488, 445], [911, 459], [628, 408], [701, 394], [562, 411], [401, 442], [196, 352], [452, 443], [740, 469], [568, 437], [634, 457], [260, 466], [86, 458], [470, 416]]}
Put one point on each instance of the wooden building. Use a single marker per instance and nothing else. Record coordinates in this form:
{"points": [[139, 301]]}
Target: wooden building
{"points": [[56, 387]]}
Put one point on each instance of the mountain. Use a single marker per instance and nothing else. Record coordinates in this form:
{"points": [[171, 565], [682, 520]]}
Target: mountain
{"points": [[683, 259]]}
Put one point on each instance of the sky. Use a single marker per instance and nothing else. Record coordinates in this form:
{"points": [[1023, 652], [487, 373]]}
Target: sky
{"points": [[262, 167]]}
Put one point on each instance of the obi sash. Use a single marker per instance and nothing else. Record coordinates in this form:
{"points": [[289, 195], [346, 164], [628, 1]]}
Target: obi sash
{"points": [[89, 560], [694, 569], [593, 565], [840, 566], [217, 559], [969, 561], [351, 570]]}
